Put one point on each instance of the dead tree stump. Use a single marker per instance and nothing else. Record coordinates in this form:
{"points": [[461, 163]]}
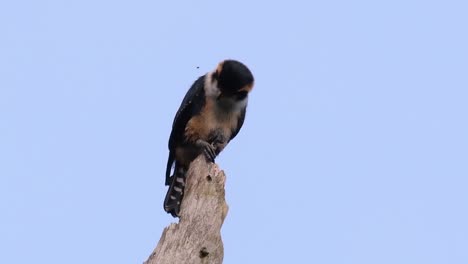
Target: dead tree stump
{"points": [[197, 236]]}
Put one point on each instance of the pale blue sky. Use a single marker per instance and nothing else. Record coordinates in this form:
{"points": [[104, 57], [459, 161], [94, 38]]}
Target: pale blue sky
{"points": [[354, 150]]}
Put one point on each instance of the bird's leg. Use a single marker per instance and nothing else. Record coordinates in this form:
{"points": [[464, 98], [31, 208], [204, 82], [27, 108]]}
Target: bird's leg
{"points": [[208, 149], [218, 140]]}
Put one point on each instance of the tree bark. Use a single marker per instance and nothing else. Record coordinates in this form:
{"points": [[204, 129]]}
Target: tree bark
{"points": [[197, 236]]}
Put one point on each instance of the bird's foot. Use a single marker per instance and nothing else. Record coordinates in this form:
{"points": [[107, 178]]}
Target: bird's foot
{"points": [[218, 140], [208, 149]]}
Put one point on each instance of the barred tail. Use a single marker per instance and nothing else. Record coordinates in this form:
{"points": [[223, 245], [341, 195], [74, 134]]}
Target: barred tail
{"points": [[170, 161], [174, 195]]}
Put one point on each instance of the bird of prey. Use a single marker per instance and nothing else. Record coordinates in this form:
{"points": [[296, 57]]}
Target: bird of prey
{"points": [[210, 116]]}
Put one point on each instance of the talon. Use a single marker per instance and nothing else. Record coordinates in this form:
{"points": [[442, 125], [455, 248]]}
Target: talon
{"points": [[210, 153], [208, 149]]}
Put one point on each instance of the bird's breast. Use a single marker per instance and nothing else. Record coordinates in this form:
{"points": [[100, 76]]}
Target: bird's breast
{"points": [[217, 116]]}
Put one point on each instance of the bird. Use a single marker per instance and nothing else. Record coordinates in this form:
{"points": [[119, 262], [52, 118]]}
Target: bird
{"points": [[209, 117]]}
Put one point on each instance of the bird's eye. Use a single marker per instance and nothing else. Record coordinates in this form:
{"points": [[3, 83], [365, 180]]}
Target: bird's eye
{"points": [[241, 95]]}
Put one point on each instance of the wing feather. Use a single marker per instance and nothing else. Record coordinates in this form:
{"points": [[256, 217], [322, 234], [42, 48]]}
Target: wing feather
{"points": [[191, 105]]}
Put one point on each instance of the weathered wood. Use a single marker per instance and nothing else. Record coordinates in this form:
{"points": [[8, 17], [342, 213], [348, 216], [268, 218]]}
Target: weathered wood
{"points": [[197, 236]]}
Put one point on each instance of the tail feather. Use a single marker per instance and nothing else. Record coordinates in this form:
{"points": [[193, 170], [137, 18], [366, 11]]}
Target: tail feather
{"points": [[175, 194], [170, 161]]}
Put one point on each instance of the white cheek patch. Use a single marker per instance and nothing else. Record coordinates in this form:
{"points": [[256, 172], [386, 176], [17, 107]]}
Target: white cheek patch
{"points": [[231, 105], [241, 104], [211, 87]]}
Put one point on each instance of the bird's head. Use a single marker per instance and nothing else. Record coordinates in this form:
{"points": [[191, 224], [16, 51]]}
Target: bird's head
{"points": [[234, 79]]}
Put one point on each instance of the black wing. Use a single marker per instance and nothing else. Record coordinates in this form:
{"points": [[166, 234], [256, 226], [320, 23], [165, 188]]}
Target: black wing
{"points": [[240, 122], [191, 105]]}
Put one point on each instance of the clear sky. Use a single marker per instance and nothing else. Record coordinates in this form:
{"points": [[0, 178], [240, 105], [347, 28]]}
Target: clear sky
{"points": [[354, 149]]}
